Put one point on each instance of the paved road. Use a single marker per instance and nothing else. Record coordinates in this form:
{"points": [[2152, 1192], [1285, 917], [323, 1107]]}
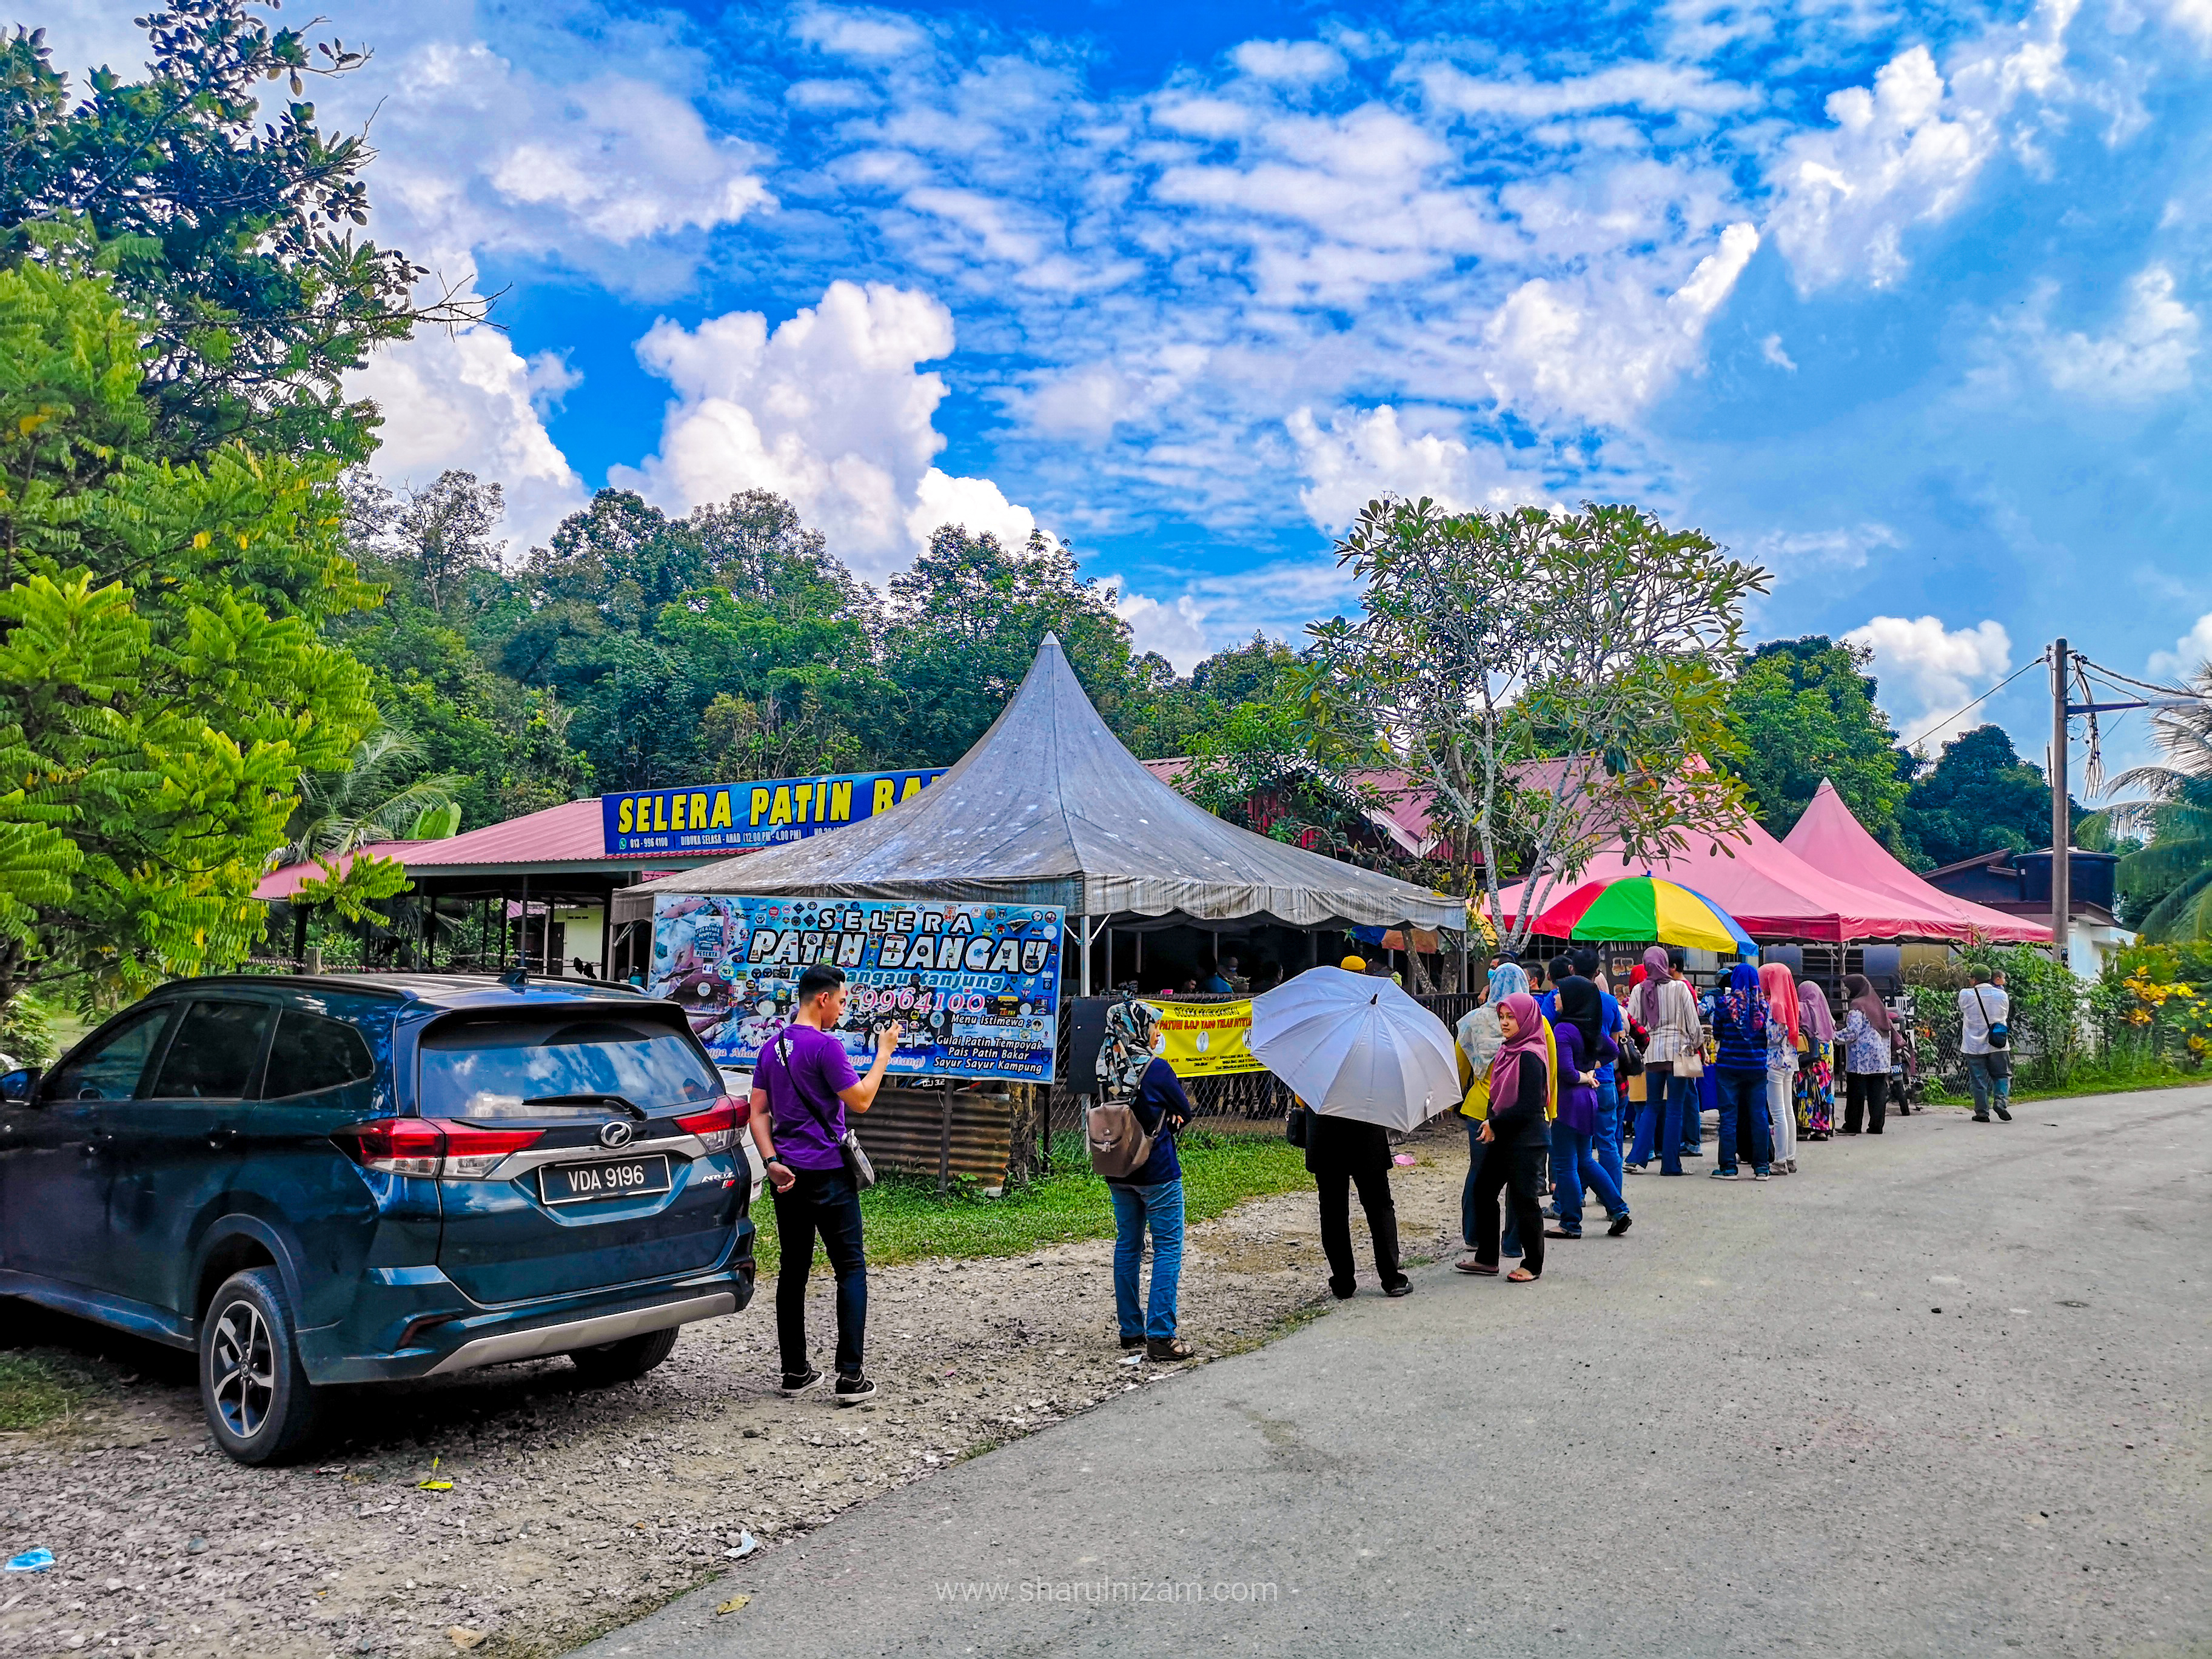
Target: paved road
{"points": [[1944, 1393]]}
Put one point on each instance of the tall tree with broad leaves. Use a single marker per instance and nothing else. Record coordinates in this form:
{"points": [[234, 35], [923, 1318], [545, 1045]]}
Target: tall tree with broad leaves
{"points": [[1804, 710], [1601, 641], [2167, 881], [231, 231], [1979, 796], [164, 679]]}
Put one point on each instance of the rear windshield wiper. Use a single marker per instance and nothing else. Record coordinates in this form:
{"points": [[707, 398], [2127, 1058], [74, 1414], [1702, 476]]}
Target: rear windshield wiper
{"points": [[589, 1100]]}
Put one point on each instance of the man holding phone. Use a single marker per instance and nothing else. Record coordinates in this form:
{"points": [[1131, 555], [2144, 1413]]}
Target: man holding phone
{"points": [[803, 1086]]}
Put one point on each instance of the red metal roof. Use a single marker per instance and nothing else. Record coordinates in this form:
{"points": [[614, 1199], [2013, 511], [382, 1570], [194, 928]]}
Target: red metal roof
{"points": [[569, 837]]}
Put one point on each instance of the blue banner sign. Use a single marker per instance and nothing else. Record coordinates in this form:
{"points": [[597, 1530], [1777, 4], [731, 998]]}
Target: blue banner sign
{"points": [[743, 817], [974, 987]]}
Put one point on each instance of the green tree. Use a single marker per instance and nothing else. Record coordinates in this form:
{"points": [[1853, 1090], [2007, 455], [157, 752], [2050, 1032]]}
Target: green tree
{"points": [[1803, 710], [966, 621], [2167, 881], [1979, 796], [1492, 640], [231, 235], [163, 680]]}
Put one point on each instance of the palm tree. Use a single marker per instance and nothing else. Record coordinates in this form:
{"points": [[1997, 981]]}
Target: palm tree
{"points": [[374, 798], [2175, 807]]}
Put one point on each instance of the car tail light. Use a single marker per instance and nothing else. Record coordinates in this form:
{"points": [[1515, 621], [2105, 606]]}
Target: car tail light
{"points": [[717, 1127], [434, 1147]]}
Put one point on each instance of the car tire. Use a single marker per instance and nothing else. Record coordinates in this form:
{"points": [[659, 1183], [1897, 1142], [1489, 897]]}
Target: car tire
{"points": [[258, 1403], [624, 1361]]}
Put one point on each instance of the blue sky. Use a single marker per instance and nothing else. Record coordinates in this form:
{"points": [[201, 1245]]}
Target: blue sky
{"points": [[1905, 300]]}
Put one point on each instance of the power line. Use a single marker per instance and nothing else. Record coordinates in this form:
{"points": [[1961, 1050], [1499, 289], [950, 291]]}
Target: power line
{"points": [[1938, 725]]}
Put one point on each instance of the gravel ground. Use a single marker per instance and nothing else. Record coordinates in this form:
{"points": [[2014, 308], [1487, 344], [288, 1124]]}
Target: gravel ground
{"points": [[571, 1510]]}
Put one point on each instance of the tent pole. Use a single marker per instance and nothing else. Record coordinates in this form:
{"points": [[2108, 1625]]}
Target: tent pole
{"points": [[1083, 925]]}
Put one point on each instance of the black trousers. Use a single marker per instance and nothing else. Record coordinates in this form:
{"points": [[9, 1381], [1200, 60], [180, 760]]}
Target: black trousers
{"points": [[1513, 1167], [824, 1201], [1866, 1096], [1381, 1213]]}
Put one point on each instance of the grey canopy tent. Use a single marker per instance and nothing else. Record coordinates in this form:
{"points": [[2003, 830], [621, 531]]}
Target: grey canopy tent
{"points": [[1049, 808]]}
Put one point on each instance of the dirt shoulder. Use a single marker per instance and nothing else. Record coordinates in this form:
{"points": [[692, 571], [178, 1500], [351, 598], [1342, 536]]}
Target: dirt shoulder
{"points": [[572, 1510]]}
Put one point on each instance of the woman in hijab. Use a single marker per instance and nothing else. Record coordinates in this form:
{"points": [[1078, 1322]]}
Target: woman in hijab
{"points": [[1781, 1045], [1480, 1037], [1738, 1017], [1867, 1032], [1583, 1047], [1662, 1005], [1818, 1075], [1515, 1140]]}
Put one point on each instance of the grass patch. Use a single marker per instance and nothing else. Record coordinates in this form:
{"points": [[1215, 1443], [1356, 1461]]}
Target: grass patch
{"points": [[35, 1391], [906, 1221], [2116, 1081]]}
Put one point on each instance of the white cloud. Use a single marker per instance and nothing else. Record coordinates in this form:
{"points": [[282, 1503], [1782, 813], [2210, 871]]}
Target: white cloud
{"points": [[2191, 17], [1603, 348], [2146, 353], [1791, 555], [1293, 63], [1905, 151], [1770, 349], [858, 32], [1938, 669], [1176, 628], [1359, 457], [1658, 89], [831, 411], [2190, 652], [467, 401]]}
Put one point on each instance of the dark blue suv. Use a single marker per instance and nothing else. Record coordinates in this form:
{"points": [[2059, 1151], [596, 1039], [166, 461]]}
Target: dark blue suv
{"points": [[356, 1180]]}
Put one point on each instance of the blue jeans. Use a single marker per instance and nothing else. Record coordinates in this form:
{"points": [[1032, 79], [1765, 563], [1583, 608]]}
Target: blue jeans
{"points": [[1509, 1243], [1574, 1165], [1743, 1099], [1659, 1120], [1134, 1209], [1609, 1128]]}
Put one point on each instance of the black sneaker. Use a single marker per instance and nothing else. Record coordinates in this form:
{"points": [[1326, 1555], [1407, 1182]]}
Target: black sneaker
{"points": [[852, 1390], [1621, 1223], [1981, 1117], [800, 1382], [1403, 1287], [2003, 1113]]}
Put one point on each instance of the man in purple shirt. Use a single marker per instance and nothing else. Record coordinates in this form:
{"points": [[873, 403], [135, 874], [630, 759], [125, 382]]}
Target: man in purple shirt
{"points": [[804, 1083]]}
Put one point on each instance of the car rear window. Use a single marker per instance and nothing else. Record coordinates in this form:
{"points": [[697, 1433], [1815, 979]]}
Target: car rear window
{"points": [[481, 1068]]}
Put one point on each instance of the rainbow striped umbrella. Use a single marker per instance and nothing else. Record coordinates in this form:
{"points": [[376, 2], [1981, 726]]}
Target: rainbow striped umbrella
{"points": [[1638, 908]]}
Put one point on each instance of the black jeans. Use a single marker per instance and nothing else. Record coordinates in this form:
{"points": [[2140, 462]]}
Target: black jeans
{"points": [[1866, 1095], [823, 1201], [1336, 1226], [1513, 1167]]}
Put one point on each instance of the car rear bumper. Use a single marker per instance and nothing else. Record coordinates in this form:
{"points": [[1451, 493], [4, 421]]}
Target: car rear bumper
{"points": [[416, 1322]]}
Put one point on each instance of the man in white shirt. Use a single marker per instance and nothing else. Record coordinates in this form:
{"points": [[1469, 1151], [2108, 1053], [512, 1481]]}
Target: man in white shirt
{"points": [[1984, 1008]]}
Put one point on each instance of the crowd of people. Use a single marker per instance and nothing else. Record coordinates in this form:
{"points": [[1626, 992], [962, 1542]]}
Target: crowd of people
{"points": [[1567, 1090]]}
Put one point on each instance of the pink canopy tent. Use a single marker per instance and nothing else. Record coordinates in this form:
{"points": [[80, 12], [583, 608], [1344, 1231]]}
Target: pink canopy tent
{"points": [[1771, 892], [1830, 838]]}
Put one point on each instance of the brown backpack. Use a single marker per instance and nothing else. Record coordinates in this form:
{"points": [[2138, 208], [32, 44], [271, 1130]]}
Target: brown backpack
{"points": [[1118, 1143]]}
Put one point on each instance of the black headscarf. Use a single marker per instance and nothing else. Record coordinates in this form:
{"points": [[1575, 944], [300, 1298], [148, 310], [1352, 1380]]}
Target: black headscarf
{"points": [[1580, 1007]]}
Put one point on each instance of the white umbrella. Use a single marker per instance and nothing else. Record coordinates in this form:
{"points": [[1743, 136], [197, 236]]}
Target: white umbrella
{"points": [[1356, 1047]]}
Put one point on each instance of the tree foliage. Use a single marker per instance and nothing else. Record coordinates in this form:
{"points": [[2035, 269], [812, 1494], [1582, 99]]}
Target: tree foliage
{"points": [[1490, 641], [1804, 710], [1979, 796], [163, 679], [2167, 881], [232, 236]]}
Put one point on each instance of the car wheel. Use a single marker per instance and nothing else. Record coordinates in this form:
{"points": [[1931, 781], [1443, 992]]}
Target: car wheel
{"points": [[626, 1360], [253, 1388]]}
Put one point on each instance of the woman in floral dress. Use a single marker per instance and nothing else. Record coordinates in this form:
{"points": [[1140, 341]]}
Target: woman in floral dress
{"points": [[1816, 1073]]}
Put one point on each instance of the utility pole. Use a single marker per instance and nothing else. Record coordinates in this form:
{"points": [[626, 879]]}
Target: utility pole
{"points": [[2061, 824]]}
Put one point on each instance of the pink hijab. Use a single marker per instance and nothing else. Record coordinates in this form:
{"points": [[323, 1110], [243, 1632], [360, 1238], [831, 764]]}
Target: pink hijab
{"points": [[1655, 974], [1813, 1002], [1781, 989], [1527, 1038]]}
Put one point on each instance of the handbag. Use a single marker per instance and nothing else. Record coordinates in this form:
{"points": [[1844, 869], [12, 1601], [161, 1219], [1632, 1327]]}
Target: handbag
{"points": [[848, 1144], [2000, 1033], [1297, 1126], [1691, 1063], [1631, 1060]]}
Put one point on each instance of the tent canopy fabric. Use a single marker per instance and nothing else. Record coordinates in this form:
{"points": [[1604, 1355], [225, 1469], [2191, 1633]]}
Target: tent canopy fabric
{"points": [[1049, 808], [1769, 890], [1828, 837]]}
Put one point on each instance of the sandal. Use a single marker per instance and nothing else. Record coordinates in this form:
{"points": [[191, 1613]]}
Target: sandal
{"points": [[1560, 1232], [1467, 1264], [1168, 1350], [1522, 1276]]}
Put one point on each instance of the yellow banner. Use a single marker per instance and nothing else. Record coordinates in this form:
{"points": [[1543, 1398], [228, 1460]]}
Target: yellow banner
{"points": [[1205, 1039]]}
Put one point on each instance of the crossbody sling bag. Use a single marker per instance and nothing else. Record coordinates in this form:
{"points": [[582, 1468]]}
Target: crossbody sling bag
{"points": [[2000, 1035], [848, 1144]]}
